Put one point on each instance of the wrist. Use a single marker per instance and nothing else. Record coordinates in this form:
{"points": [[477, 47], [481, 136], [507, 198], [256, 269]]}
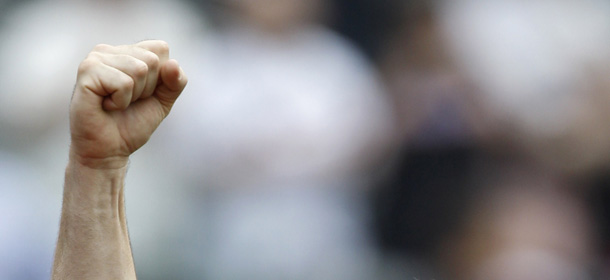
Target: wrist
{"points": [[109, 163], [93, 193]]}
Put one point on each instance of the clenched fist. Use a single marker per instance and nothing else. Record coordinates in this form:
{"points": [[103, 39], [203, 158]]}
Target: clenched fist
{"points": [[121, 96]]}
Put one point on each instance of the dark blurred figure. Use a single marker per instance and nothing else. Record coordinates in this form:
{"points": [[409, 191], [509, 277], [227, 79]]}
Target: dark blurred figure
{"points": [[453, 129], [368, 23], [441, 126], [541, 68], [523, 223], [600, 199]]}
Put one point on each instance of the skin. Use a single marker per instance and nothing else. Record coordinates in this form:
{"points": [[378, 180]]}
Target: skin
{"points": [[122, 94]]}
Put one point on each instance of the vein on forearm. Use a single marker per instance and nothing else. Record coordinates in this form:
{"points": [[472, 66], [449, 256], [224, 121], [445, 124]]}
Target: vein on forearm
{"points": [[93, 229]]}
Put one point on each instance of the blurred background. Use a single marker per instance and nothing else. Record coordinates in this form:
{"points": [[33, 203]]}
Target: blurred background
{"points": [[330, 139]]}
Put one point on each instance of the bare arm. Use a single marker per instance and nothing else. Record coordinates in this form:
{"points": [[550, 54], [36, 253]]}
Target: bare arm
{"points": [[122, 94], [93, 240]]}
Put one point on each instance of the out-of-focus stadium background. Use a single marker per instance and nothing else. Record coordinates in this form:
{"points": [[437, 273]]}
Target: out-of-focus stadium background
{"points": [[330, 139]]}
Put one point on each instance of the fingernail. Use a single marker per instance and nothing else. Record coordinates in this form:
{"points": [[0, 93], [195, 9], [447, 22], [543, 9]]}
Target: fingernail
{"points": [[179, 74]]}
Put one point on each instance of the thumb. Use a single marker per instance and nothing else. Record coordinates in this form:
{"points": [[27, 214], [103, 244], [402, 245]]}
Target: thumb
{"points": [[172, 83]]}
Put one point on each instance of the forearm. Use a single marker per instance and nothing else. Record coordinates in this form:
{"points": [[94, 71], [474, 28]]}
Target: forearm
{"points": [[93, 238], [121, 96]]}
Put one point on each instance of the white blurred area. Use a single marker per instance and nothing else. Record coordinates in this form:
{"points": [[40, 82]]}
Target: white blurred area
{"points": [[281, 124], [258, 173]]}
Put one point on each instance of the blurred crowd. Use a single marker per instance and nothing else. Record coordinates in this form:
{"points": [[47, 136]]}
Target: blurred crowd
{"points": [[330, 139]]}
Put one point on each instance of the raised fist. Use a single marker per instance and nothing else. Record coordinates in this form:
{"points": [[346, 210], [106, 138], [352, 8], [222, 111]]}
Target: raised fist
{"points": [[121, 96]]}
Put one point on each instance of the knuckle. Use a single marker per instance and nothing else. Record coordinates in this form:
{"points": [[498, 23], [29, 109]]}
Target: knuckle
{"points": [[95, 55], [163, 46], [87, 64], [127, 84], [102, 47], [151, 59], [140, 69]]}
